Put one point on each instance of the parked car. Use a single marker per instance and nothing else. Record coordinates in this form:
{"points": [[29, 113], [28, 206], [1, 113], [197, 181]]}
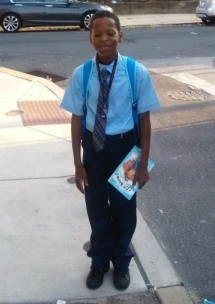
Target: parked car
{"points": [[206, 11], [15, 14]]}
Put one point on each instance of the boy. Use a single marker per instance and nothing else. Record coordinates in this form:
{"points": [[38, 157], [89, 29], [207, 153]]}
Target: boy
{"points": [[108, 138]]}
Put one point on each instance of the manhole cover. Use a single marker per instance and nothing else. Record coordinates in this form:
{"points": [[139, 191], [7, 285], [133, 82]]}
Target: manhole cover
{"points": [[189, 95], [47, 75], [71, 180], [86, 246], [14, 113]]}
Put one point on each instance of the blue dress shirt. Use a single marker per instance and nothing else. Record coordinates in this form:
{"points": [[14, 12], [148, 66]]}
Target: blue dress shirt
{"points": [[119, 119]]}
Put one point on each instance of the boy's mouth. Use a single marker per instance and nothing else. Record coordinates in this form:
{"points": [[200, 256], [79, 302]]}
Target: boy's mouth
{"points": [[104, 48]]}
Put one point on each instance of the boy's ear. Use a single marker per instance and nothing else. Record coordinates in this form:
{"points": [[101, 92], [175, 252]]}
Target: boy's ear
{"points": [[90, 38], [120, 37]]}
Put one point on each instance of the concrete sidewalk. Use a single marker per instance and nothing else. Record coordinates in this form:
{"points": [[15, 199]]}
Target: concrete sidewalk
{"points": [[157, 19], [44, 226], [44, 229]]}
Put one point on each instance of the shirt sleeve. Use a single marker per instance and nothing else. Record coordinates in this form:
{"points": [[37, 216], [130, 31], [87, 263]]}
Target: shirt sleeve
{"points": [[73, 99], [147, 99]]}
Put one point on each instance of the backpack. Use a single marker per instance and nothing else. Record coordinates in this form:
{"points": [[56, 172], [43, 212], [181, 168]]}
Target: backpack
{"points": [[131, 75]]}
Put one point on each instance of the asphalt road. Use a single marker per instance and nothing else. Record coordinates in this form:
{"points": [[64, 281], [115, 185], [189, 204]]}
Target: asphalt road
{"points": [[59, 52], [179, 201]]}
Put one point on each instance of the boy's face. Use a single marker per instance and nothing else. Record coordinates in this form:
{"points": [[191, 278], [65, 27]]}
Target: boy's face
{"points": [[104, 36]]}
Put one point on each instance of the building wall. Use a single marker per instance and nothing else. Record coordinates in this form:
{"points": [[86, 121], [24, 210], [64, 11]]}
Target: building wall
{"points": [[153, 7]]}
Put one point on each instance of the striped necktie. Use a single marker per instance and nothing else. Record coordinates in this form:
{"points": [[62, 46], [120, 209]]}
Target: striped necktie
{"points": [[101, 113]]}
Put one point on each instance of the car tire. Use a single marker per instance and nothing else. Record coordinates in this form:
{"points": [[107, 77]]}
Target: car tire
{"points": [[85, 21], [207, 21], [10, 23]]}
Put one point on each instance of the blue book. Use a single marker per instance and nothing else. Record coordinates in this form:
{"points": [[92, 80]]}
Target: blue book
{"points": [[123, 176]]}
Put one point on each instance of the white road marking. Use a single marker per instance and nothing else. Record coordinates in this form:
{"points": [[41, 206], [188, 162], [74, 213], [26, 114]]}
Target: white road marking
{"points": [[193, 81]]}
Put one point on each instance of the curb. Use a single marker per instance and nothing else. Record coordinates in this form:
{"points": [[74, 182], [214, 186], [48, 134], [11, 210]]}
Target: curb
{"points": [[156, 267], [17, 74], [176, 295], [55, 89]]}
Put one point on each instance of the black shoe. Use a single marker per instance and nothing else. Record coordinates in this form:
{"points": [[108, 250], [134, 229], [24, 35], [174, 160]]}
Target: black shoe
{"points": [[121, 279], [95, 276]]}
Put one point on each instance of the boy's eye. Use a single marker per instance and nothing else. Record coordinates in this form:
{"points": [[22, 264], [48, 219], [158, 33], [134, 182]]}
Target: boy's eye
{"points": [[96, 34], [111, 33]]}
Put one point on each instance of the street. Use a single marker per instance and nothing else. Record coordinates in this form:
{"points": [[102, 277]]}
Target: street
{"points": [[59, 52], [179, 202]]}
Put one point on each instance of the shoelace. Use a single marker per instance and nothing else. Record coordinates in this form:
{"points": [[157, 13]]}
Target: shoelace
{"points": [[96, 272], [122, 274]]}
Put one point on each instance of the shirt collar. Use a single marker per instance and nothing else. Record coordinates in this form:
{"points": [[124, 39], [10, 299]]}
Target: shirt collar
{"points": [[108, 67]]}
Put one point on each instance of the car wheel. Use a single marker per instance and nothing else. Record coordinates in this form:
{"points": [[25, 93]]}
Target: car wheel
{"points": [[85, 22], [207, 21], [10, 23]]}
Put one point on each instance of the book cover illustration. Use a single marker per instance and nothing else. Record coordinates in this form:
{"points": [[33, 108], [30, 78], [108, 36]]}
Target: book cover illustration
{"points": [[123, 176]]}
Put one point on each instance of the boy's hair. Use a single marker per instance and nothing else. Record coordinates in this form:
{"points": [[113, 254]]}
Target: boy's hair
{"points": [[106, 14]]}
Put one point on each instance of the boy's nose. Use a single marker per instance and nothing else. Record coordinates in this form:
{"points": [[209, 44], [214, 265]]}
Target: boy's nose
{"points": [[104, 37]]}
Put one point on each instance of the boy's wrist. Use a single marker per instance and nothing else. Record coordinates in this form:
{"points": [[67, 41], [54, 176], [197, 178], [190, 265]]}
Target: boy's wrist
{"points": [[143, 167], [78, 164]]}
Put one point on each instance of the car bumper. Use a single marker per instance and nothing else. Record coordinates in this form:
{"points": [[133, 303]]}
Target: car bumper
{"points": [[201, 15], [205, 12]]}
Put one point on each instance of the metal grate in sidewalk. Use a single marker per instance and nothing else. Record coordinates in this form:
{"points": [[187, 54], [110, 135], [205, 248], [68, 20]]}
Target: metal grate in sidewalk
{"points": [[42, 113]]}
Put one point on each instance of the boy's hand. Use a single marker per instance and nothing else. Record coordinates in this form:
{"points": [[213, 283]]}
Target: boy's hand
{"points": [[141, 177], [80, 178]]}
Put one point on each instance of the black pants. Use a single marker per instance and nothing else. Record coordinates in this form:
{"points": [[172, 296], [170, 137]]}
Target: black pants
{"points": [[112, 216]]}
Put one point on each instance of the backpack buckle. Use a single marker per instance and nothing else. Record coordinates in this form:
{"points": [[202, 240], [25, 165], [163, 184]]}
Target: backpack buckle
{"points": [[134, 105]]}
